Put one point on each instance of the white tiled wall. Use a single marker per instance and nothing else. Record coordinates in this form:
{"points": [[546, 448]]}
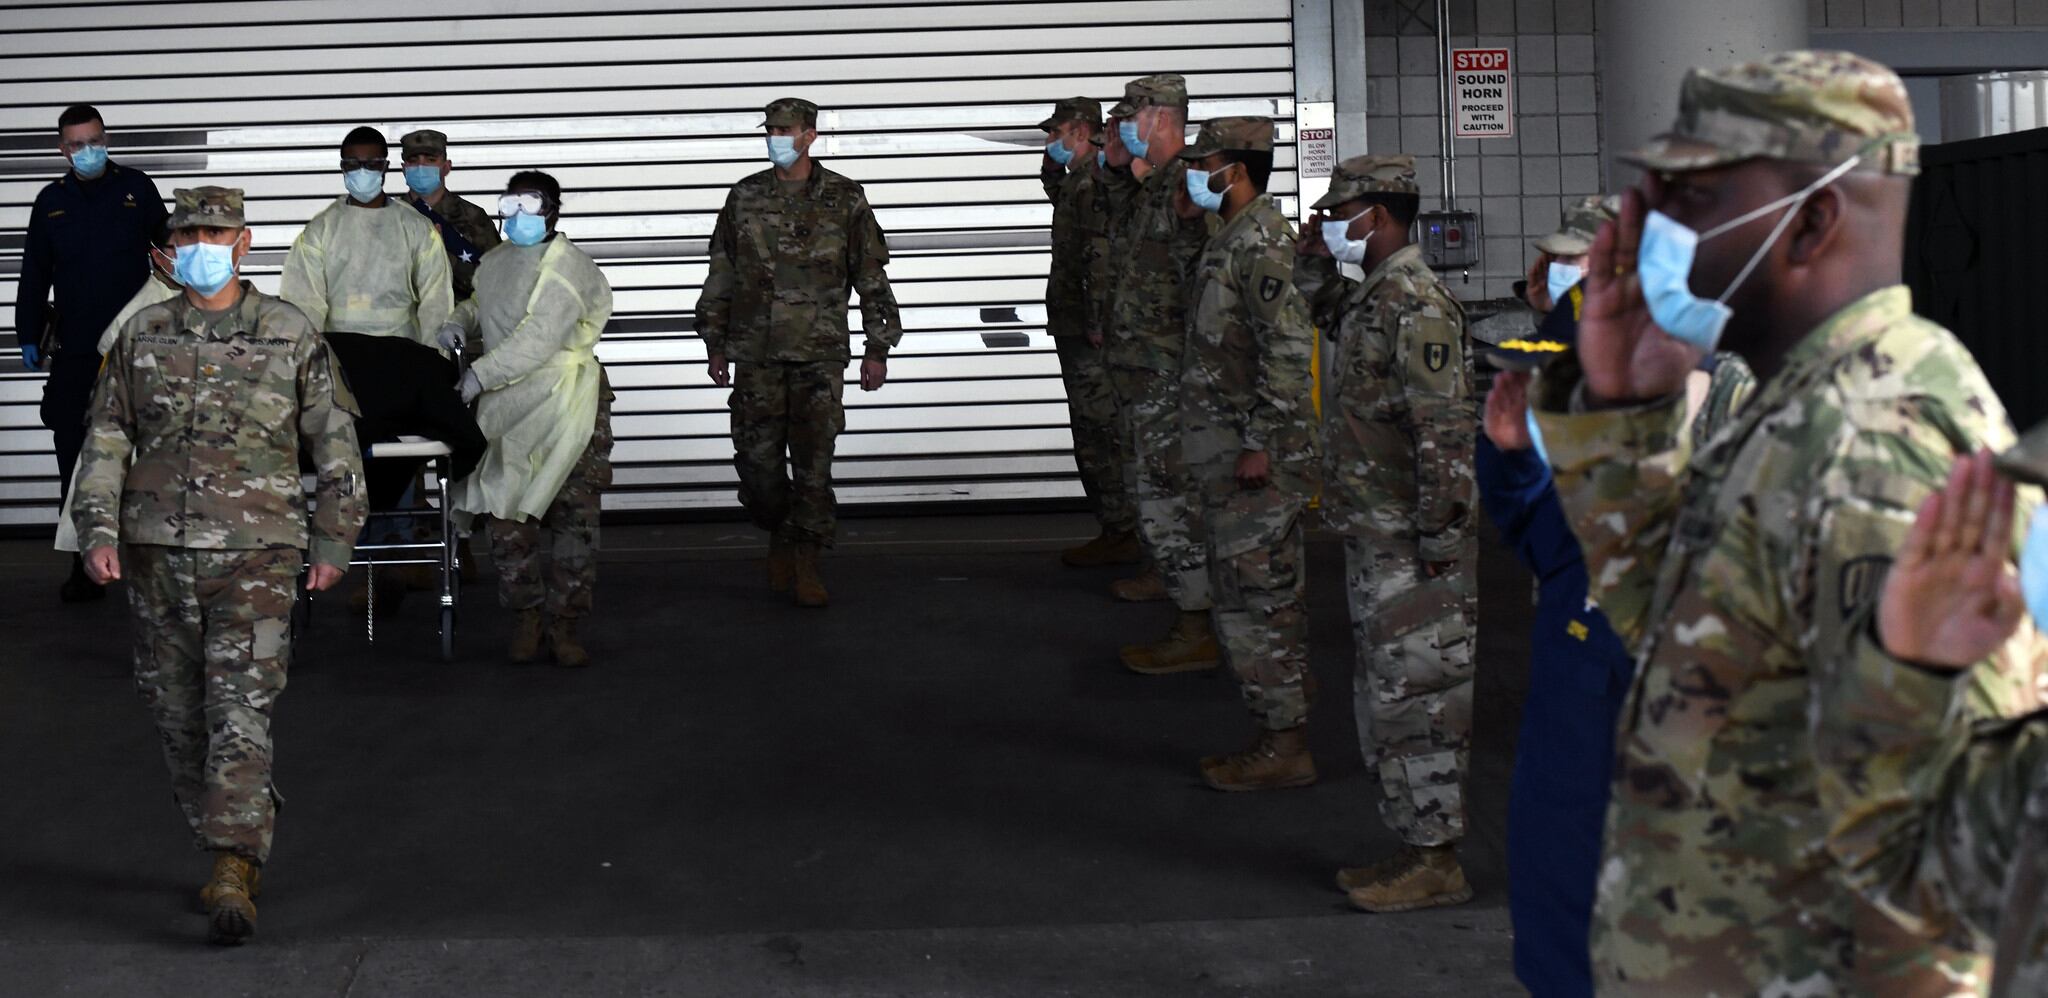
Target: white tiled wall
{"points": [[1519, 185], [1926, 13]]}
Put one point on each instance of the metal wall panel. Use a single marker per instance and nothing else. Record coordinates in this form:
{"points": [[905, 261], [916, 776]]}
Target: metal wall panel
{"points": [[647, 112]]}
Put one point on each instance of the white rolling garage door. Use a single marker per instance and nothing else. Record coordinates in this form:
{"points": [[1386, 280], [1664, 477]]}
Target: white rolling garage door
{"points": [[647, 112]]}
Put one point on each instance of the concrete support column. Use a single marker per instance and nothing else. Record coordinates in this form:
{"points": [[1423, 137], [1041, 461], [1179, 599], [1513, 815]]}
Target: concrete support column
{"points": [[1646, 46]]}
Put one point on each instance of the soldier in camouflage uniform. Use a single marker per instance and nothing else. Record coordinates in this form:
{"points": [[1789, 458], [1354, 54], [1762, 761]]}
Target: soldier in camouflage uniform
{"points": [[1080, 272], [1248, 433], [1154, 251], [466, 229], [189, 488], [1781, 728], [789, 245], [1398, 484]]}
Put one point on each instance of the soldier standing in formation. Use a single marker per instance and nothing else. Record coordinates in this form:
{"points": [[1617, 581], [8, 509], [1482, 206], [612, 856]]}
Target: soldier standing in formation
{"points": [[1794, 687], [190, 490], [1155, 248], [1398, 484], [788, 246], [1248, 425], [1079, 276]]}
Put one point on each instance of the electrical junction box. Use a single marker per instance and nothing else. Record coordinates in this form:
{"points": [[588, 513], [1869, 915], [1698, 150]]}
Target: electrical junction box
{"points": [[1449, 239]]}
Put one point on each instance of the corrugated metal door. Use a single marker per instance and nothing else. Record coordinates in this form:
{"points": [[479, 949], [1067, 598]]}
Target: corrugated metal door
{"points": [[1975, 257], [647, 112]]}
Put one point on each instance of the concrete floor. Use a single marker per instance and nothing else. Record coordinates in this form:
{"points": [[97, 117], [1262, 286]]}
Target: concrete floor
{"points": [[944, 785]]}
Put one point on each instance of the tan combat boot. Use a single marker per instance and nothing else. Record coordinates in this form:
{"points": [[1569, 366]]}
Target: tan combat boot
{"points": [[562, 641], [781, 565], [1106, 548], [254, 885], [1148, 586], [1418, 877], [810, 587], [526, 634], [230, 912], [1189, 647], [1277, 761]]}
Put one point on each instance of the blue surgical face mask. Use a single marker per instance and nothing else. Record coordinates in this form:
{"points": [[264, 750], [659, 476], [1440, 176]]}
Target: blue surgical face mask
{"points": [[526, 230], [423, 180], [1199, 192], [1127, 130], [1536, 437], [1562, 278], [1102, 158], [363, 185], [89, 161], [1665, 257], [205, 267], [2034, 568], [782, 150], [1337, 236], [1059, 152]]}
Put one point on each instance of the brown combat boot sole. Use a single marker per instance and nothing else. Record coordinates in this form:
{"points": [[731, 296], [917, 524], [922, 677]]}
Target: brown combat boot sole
{"points": [[1459, 896], [255, 889], [1145, 588], [1385, 896], [1138, 659], [230, 914]]}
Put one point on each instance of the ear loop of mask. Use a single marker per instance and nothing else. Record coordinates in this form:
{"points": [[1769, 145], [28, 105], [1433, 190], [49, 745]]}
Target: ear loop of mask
{"points": [[1795, 200]]}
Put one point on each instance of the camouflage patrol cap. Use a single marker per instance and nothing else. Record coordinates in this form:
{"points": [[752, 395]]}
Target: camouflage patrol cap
{"points": [[1245, 134], [2027, 461], [1362, 175], [1581, 225], [1804, 107], [790, 112], [1085, 109], [208, 206], [1161, 89], [425, 142]]}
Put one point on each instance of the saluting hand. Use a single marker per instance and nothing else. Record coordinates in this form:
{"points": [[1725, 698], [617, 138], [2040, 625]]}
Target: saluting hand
{"points": [[1626, 357], [1507, 408], [1309, 241], [1951, 598]]}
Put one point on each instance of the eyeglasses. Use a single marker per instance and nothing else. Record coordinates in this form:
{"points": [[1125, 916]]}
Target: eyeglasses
{"points": [[76, 144], [512, 204], [379, 165]]}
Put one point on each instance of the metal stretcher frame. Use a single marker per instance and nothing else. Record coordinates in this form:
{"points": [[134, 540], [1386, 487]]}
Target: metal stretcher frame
{"points": [[442, 552]]}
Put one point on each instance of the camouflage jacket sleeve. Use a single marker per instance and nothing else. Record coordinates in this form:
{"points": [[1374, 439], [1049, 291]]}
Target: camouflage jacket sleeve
{"points": [[714, 303], [103, 462], [1324, 286], [433, 285], [304, 283], [1617, 474], [1281, 384], [1436, 378], [327, 436], [867, 252]]}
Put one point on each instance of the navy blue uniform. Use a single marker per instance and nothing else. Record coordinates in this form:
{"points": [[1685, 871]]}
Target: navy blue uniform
{"points": [[89, 240], [1578, 674]]}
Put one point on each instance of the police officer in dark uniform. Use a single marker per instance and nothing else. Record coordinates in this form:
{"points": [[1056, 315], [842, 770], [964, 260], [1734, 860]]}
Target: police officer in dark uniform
{"points": [[89, 239]]}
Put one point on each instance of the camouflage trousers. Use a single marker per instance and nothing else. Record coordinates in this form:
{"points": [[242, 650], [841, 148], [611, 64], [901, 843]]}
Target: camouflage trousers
{"points": [[1169, 520], [1099, 450], [212, 646], [785, 420], [1256, 555], [569, 578], [1412, 686]]}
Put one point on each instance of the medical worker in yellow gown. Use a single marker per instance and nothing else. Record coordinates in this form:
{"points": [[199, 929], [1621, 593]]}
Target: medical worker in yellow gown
{"points": [[544, 404]]}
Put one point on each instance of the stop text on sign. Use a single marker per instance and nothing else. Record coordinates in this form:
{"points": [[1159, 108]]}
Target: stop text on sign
{"points": [[1482, 94]]}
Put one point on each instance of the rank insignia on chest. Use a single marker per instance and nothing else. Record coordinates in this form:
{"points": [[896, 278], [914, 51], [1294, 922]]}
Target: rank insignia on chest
{"points": [[1862, 578], [1270, 288], [1436, 355]]}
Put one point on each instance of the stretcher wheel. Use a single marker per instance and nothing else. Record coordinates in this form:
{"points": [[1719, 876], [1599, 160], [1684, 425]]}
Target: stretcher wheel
{"points": [[447, 634]]}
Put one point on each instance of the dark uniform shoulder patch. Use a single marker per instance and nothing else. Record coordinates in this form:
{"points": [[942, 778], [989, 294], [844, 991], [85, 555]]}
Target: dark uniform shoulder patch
{"points": [[1270, 288], [1862, 579], [1436, 355]]}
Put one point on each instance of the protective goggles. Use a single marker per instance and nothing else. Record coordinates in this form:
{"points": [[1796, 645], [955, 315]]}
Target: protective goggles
{"points": [[525, 201]]}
